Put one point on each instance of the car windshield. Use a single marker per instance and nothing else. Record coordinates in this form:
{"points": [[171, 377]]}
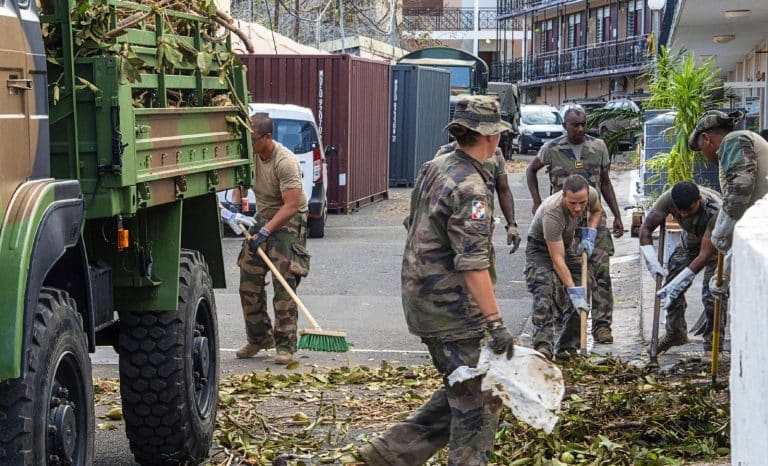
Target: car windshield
{"points": [[297, 135], [460, 76], [541, 118]]}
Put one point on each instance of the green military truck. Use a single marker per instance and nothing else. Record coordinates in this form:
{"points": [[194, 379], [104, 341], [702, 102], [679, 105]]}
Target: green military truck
{"points": [[119, 121]]}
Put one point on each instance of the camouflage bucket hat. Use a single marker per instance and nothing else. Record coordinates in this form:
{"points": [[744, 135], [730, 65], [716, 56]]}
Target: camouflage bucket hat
{"points": [[711, 120], [481, 114]]}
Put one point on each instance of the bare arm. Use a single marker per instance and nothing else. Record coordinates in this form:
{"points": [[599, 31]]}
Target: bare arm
{"points": [[595, 214], [706, 252], [506, 200], [533, 182], [290, 207], [650, 224], [480, 286], [606, 188], [557, 253]]}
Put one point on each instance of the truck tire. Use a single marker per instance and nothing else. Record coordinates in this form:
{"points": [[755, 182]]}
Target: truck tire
{"points": [[46, 418], [316, 226], [169, 372]]}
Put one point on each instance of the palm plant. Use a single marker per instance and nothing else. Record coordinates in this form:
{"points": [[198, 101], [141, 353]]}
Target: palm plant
{"points": [[611, 138]]}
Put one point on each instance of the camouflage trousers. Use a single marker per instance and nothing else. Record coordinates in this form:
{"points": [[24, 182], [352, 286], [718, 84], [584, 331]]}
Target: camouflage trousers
{"points": [[602, 291], [675, 322], [553, 312], [286, 248], [461, 416]]}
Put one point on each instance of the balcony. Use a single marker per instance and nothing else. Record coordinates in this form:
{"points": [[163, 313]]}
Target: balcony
{"points": [[624, 55], [448, 19], [511, 8]]}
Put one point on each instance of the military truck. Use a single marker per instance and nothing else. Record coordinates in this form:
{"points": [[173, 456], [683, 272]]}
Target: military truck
{"points": [[469, 73], [509, 99], [119, 122]]}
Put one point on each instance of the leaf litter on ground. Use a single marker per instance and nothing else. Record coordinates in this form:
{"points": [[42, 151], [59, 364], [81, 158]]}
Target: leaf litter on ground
{"points": [[613, 413]]}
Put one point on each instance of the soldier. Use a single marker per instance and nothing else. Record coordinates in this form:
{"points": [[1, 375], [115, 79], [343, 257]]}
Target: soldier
{"points": [[448, 297], [498, 168], [552, 267], [577, 153], [281, 227], [695, 208], [742, 157]]}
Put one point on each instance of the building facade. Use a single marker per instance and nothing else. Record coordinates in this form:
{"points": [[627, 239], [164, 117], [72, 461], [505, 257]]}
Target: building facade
{"points": [[575, 50]]}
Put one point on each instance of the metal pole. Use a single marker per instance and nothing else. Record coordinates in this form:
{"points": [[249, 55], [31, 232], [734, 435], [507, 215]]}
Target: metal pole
{"points": [[341, 25], [476, 27]]}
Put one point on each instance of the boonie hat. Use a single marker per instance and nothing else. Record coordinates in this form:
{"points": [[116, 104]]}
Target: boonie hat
{"points": [[711, 120], [479, 113]]}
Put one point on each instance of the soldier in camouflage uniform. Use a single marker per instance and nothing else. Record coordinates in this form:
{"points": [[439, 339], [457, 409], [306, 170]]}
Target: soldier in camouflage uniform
{"points": [[742, 158], [553, 264], [695, 209], [578, 153], [497, 166], [448, 298], [281, 231]]}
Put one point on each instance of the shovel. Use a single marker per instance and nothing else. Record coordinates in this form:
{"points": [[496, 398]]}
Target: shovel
{"points": [[654, 362], [716, 319], [583, 313]]}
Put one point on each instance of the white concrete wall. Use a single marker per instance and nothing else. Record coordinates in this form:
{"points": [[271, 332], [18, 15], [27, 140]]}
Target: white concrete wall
{"points": [[749, 338]]}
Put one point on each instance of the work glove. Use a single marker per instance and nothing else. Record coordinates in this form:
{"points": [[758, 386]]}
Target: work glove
{"points": [[677, 286], [722, 291], [513, 238], [722, 233], [258, 239], [587, 243], [578, 295], [502, 340], [652, 261], [237, 221]]}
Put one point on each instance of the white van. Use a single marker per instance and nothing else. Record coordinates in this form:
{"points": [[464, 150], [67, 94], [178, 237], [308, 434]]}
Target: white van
{"points": [[295, 128]]}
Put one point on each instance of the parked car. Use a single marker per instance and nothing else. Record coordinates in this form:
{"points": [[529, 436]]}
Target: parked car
{"points": [[295, 128], [617, 124], [539, 124]]}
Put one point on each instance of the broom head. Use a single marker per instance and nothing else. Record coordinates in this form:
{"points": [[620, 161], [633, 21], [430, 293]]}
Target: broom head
{"points": [[323, 340]]}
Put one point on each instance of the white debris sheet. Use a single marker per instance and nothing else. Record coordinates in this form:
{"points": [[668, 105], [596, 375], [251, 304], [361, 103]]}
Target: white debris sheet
{"points": [[528, 383]]}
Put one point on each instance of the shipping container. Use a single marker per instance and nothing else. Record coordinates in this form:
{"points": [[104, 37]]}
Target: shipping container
{"points": [[350, 99], [419, 111]]}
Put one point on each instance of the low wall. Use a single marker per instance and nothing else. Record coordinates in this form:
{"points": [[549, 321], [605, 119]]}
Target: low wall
{"points": [[749, 338]]}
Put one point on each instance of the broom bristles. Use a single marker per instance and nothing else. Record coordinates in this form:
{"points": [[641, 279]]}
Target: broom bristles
{"points": [[321, 340]]}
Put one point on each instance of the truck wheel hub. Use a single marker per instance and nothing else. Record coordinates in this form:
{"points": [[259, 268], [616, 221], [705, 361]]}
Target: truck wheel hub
{"points": [[63, 430], [202, 358]]}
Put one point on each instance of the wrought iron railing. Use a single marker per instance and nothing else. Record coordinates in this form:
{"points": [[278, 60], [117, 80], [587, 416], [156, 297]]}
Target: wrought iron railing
{"points": [[448, 19], [625, 53], [518, 7]]}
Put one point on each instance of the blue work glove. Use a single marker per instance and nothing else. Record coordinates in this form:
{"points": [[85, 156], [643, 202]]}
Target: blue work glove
{"points": [[237, 222], [676, 287], [258, 239], [578, 295], [587, 242], [501, 341], [722, 233]]}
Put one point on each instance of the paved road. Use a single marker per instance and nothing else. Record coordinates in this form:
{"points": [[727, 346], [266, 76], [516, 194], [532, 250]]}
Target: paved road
{"points": [[354, 286]]}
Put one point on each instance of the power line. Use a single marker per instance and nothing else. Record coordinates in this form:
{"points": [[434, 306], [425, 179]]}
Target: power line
{"points": [[271, 28]]}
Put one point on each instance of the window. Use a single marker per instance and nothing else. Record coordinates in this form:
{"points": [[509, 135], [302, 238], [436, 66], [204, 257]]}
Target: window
{"points": [[546, 36], [603, 24], [574, 30], [635, 15], [297, 135]]}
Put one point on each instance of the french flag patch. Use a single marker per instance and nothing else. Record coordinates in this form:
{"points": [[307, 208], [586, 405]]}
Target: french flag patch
{"points": [[478, 210]]}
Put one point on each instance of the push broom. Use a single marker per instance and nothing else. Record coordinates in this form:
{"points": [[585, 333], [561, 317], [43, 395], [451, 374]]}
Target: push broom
{"points": [[315, 338]]}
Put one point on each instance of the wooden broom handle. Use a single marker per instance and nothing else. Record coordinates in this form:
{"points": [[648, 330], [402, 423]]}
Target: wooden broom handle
{"points": [[276, 273]]}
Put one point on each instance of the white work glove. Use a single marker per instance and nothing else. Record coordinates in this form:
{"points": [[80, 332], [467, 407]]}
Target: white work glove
{"points": [[652, 261], [722, 234], [722, 290], [578, 295], [677, 286], [587, 243], [237, 221]]}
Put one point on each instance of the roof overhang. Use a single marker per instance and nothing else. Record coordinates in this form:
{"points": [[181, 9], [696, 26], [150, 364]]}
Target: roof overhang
{"points": [[437, 61]]}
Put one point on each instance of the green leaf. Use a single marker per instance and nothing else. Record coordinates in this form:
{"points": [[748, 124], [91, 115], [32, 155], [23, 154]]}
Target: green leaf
{"points": [[89, 85], [204, 62]]}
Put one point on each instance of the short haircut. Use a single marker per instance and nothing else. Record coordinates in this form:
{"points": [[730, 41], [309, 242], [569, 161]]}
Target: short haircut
{"points": [[573, 110], [262, 123], [463, 135], [575, 183], [684, 194]]}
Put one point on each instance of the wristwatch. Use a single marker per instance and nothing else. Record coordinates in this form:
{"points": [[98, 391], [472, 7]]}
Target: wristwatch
{"points": [[512, 224], [494, 324]]}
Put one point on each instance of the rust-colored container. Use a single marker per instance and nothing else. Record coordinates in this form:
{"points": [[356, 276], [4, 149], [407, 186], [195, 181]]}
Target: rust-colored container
{"points": [[350, 99]]}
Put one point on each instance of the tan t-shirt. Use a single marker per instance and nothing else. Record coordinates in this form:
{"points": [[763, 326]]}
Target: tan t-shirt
{"points": [[553, 222], [279, 173]]}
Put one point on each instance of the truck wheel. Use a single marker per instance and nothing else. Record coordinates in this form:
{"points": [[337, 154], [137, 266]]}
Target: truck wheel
{"points": [[47, 417], [169, 372], [316, 226]]}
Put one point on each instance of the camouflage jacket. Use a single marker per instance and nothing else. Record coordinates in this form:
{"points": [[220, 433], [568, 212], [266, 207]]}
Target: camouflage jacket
{"points": [[743, 170], [561, 162], [496, 165], [450, 232]]}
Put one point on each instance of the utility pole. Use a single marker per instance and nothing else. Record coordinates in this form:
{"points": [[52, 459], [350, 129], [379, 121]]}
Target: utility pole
{"points": [[341, 26], [277, 15], [297, 23]]}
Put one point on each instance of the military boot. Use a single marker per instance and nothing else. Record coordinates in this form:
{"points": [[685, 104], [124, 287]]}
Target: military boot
{"points": [[283, 357], [249, 350], [603, 335], [668, 341]]}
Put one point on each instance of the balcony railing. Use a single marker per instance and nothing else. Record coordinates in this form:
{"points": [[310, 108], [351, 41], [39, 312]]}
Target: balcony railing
{"points": [[518, 7], [592, 59], [448, 19]]}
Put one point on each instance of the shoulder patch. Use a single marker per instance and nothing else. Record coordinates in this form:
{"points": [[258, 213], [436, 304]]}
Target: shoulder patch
{"points": [[478, 210]]}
